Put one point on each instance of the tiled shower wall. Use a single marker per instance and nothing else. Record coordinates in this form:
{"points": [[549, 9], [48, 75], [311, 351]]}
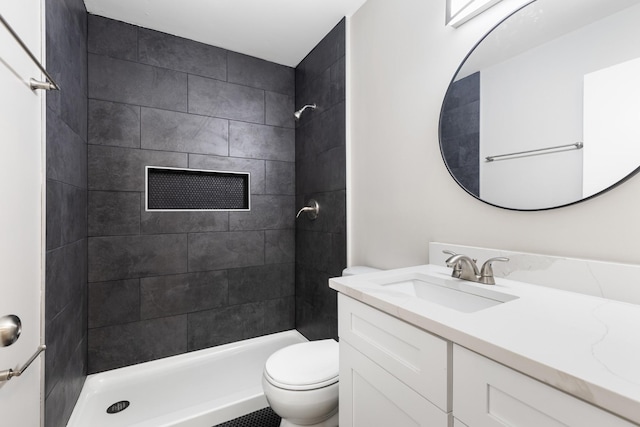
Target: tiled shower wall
{"points": [[321, 175], [461, 132], [164, 283], [66, 210]]}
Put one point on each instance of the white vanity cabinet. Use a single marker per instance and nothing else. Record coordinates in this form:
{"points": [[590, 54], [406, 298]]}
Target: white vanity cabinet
{"points": [[488, 394], [395, 374], [391, 373]]}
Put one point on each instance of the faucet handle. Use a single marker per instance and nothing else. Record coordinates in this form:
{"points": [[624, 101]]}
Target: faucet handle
{"points": [[457, 268], [486, 272]]}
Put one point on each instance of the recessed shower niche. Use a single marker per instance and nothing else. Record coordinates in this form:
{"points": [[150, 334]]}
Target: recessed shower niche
{"points": [[176, 189]]}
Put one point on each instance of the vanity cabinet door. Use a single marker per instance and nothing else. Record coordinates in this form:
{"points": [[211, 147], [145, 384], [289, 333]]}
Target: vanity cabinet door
{"points": [[417, 358], [488, 394], [371, 397]]}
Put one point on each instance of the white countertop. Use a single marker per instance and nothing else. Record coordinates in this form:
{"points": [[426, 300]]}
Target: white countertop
{"points": [[586, 346]]}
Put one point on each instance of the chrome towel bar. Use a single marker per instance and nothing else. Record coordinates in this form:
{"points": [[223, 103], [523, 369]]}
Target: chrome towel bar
{"points": [[33, 83], [576, 145]]}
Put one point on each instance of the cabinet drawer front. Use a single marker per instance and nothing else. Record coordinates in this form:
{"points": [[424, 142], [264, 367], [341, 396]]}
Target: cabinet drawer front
{"points": [[488, 394], [417, 358], [371, 397]]}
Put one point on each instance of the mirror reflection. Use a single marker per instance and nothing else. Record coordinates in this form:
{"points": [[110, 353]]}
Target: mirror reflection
{"points": [[552, 97]]}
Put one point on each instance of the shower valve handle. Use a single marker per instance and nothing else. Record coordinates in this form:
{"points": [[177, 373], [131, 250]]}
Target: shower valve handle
{"points": [[311, 209]]}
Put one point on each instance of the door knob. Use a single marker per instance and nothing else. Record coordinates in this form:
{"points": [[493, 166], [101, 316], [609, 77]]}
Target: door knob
{"points": [[10, 329]]}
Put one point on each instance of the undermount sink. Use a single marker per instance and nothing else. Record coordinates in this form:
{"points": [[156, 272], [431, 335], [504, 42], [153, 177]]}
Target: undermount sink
{"points": [[454, 294]]}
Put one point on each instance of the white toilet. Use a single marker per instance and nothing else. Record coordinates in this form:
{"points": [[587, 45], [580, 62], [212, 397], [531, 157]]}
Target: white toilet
{"points": [[300, 381]]}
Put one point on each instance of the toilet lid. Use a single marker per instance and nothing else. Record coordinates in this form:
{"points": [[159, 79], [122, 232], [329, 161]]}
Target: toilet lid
{"points": [[302, 366]]}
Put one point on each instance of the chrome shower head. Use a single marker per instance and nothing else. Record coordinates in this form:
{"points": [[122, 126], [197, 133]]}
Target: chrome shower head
{"points": [[298, 113]]}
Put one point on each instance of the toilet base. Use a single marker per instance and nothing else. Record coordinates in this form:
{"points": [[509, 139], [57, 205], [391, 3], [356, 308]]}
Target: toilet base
{"points": [[331, 422]]}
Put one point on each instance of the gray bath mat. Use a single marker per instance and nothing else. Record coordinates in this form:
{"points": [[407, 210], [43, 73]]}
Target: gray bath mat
{"points": [[262, 418]]}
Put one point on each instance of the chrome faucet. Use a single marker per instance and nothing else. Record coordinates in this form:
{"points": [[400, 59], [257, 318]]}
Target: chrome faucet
{"points": [[465, 268]]}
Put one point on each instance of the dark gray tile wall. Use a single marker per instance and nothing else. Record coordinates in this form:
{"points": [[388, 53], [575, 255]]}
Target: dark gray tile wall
{"points": [[164, 283], [66, 210], [460, 132], [320, 245]]}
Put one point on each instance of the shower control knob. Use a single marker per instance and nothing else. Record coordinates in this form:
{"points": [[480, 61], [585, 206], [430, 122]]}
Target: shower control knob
{"points": [[311, 209]]}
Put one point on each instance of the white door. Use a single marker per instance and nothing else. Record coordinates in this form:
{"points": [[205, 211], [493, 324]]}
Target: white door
{"points": [[21, 189], [611, 132]]}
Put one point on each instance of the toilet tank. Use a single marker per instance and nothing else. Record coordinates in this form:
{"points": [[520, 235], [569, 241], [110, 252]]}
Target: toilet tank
{"points": [[359, 269]]}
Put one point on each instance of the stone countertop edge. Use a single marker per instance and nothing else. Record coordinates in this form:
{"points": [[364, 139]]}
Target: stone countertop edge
{"points": [[579, 344]]}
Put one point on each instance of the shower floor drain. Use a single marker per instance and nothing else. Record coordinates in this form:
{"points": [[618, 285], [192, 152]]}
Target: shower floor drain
{"points": [[118, 407]]}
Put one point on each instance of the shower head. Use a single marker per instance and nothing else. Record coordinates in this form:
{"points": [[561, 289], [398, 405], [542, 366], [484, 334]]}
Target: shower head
{"points": [[298, 113]]}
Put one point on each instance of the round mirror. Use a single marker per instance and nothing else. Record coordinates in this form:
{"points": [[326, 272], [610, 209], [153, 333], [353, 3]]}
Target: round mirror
{"points": [[545, 110]]}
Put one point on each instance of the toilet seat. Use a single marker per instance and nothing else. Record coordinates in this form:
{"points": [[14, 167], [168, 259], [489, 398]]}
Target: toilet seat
{"points": [[305, 366]]}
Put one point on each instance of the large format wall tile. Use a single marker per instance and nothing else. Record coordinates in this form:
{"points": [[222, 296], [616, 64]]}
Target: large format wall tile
{"points": [[462, 120], [329, 51], [261, 283], [279, 110], [186, 293], [114, 124], [320, 245], [132, 83], [123, 169], [187, 133], [254, 72], [216, 251], [323, 132], [280, 178], [182, 222], [114, 303], [64, 333], [176, 53], [66, 214], [112, 38], [261, 142], [280, 246], [280, 314], [313, 249], [225, 100], [464, 91], [65, 291], [123, 257], [267, 213], [116, 346], [461, 132], [113, 213], [225, 325], [66, 153], [325, 172], [66, 45], [61, 399], [66, 273]]}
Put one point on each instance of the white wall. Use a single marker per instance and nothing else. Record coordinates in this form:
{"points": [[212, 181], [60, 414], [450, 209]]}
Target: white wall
{"points": [[401, 196], [21, 222]]}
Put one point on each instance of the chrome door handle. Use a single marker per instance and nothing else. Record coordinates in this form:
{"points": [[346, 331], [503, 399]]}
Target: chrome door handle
{"points": [[7, 374], [10, 328]]}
